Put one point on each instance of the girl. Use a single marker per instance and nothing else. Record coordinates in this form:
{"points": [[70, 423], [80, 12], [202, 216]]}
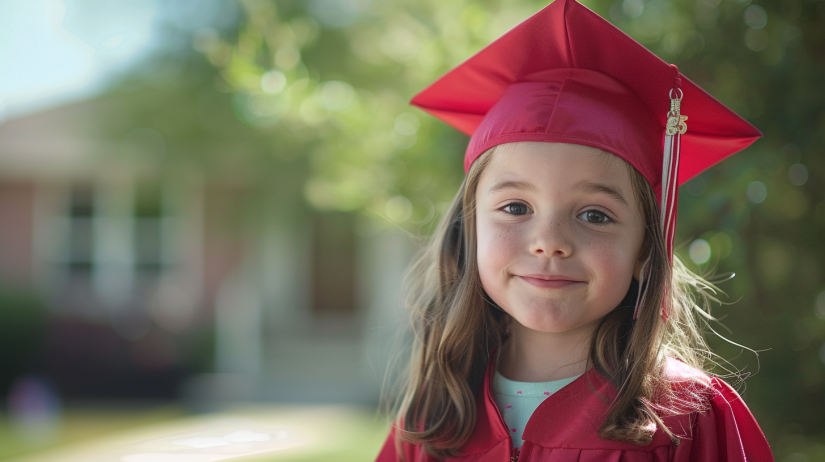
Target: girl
{"points": [[552, 321]]}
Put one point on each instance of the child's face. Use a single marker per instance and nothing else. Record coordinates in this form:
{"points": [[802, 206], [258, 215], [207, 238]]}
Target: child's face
{"points": [[559, 234]]}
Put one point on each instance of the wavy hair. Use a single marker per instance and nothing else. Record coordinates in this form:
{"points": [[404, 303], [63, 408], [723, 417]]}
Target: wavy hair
{"points": [[453, 338]]}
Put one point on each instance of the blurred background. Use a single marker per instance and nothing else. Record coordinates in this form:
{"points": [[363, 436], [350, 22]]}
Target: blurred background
{"points": [[213, 202]]}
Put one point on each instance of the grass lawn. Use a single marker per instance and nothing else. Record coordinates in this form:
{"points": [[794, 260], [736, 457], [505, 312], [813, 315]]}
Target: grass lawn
{"points": [[299, 434], [83, 424]]}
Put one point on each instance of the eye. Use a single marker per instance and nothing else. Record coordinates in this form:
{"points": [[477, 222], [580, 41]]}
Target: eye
{"points": [[516, 208], [595, 217]]}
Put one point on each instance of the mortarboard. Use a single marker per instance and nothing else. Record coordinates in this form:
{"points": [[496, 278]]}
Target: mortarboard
{"points": [[567, 75]]}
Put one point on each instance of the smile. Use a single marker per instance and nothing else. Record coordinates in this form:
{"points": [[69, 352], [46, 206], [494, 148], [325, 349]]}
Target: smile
{"points": [[548, 282]]}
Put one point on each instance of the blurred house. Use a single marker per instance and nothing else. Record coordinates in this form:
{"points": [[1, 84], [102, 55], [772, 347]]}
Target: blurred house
{"points": [[177, 259]]}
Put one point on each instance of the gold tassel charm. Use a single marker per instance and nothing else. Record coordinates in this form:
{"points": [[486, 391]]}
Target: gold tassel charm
{"points": [[675, 120]]}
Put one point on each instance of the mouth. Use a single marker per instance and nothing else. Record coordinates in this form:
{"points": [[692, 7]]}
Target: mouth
{"points": [[549, 281]]}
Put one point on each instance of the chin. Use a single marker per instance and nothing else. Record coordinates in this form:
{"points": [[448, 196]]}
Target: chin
{"points": [[549, 321], [556, 328]]}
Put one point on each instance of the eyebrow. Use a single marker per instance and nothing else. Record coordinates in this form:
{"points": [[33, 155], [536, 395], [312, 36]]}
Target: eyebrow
{"points": [[584, 186], [601, 188], [520, 185]]}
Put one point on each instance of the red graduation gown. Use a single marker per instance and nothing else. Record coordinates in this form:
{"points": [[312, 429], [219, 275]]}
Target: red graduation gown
{"points": [[564, 428]]}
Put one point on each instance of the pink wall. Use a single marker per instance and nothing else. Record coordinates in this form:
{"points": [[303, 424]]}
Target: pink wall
{"points": [[16, 232], [222, 236]]}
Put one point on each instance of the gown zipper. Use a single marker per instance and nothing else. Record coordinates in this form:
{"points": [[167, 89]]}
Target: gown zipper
{"points": [[514, 455]]}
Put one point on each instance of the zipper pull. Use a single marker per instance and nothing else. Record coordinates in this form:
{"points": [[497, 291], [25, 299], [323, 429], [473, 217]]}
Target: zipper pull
{"points": [[514, 455]]}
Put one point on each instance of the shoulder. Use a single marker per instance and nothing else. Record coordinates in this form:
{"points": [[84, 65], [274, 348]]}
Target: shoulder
{"points": [[687, 381], [401, 451], [710, 417], [691, 385], [692, 390], [680, 373]]}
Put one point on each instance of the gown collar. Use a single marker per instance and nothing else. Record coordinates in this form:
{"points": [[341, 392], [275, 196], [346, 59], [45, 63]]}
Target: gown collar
{"points": [[569, 418]]}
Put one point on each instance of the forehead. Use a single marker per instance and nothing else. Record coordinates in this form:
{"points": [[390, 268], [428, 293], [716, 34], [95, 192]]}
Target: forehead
{"points": [[541, 162]]}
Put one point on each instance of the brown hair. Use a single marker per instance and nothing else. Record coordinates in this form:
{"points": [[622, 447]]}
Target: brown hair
{"points": [[453, 338]]}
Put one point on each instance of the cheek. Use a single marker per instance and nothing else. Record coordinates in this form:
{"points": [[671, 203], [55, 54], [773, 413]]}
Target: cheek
{"points": [[497, 246], [616, 261], [611, 256]]}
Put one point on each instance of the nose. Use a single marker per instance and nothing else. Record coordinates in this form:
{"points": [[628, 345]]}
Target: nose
{"points": [[552, 238]]}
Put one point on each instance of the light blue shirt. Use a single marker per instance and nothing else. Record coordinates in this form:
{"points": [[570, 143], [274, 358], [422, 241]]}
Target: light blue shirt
{"points": [[518, 400]]}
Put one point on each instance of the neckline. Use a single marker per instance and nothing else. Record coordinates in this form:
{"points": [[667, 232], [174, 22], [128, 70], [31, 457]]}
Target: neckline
{"points": [[505, 386], [573, 413], [587, 382]]}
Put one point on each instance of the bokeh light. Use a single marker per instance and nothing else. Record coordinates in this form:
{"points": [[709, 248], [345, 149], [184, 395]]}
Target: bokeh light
{"points": [[399, 209], [35, 409], [755, 17], [407, 124], [757, 192], [819, 305], [798, 174], [699, 251], [337, 95], [633, 8], [273, 82]]}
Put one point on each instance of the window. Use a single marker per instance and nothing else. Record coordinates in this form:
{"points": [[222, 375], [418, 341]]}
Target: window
{"points": [[150, 258], [118, 237], [80, 230]]}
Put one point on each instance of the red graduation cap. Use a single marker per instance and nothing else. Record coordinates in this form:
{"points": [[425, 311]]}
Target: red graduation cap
{"points": [[567, 75]]}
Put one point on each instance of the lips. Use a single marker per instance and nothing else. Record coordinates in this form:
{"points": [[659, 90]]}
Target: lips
{"points": [[549, 281]]}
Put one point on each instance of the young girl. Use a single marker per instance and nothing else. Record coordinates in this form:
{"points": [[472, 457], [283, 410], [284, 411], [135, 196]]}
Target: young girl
{"points": [[552, 321]]}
